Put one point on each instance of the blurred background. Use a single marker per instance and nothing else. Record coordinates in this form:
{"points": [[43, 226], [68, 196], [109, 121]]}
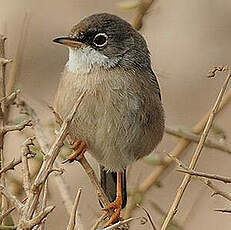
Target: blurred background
{"points": [[185, 38]]}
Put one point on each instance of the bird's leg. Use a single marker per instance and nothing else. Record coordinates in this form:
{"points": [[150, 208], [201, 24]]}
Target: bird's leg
{"points": [[117, 204], [79, 148]]}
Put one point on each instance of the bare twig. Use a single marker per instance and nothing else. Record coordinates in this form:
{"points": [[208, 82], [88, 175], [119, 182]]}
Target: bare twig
{"points": [[18, 127], [177, 152], [28, 224], [223, 210], [15, 70], [8, 227], [26, 171], [10, 165], [44, 145], [3, 61], [196, 155], [44, 202], [48, 162], [143, 7], [5, 214], [13, 200], [99, 220], [71, 224], [87, 168], [149, 217], [120, 223], [206, 175], [195, 138], [205, 181], [216, 190]]}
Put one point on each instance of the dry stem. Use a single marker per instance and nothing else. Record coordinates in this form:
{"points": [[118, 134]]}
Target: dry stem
{"points": [[195, 138], [206, 175], [120, 223], [143, 7], [71, 224], [177, 151], [196, 155]]}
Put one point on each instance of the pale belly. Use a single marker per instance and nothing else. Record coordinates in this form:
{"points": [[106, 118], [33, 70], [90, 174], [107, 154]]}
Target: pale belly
{"points": [[117, 125]]}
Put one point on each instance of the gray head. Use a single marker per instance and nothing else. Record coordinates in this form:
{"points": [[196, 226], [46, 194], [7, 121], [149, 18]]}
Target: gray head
{"points": [[107, 41]]}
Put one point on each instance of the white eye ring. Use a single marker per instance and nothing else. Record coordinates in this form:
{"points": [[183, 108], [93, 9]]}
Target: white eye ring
{"points": [[100, 39]]}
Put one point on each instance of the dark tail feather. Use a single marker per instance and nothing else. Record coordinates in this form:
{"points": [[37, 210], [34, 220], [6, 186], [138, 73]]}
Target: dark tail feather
{"points": [[108, 183]]}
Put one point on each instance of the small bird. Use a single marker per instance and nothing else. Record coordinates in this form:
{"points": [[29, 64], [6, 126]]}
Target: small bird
{"points": [[120, 118]]}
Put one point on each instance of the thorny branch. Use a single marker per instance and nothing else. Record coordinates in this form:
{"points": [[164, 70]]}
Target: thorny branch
{"points": [[216, 190], [196, 155], [44, 145], [177, 152]]}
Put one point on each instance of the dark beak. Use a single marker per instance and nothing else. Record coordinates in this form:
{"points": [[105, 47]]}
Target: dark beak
{"points": [[68, 41]]}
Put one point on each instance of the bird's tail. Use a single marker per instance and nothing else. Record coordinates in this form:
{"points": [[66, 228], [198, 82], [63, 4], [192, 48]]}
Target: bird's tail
{"points": [[108, 183]]}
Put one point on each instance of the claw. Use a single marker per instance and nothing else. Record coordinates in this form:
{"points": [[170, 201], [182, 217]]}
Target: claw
{"points": [[80, 149], [116, 205]]}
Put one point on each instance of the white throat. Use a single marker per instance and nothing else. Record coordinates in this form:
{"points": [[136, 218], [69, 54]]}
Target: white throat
{"points": [[84, 59]]}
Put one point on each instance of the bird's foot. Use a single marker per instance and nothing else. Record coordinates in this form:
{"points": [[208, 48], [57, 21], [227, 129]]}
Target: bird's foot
{"points": [[79, 148], [116, 206]]}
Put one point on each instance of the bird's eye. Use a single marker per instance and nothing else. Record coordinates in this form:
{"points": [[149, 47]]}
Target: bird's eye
{"points": [[100, 40]]}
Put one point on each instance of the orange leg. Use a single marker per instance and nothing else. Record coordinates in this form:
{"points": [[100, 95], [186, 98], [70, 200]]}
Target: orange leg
{"points": [[117, 204], [79, 149]]}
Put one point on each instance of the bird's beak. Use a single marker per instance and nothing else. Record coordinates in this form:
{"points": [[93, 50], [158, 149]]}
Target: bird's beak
{"points": [[68, 41]]}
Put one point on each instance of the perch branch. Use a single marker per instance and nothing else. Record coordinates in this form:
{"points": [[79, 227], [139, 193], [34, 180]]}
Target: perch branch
{"points": [[44, 145], [49, 161], [88, 169]]}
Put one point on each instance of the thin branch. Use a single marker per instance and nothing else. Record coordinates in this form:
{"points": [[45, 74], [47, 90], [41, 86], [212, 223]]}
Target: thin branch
{"points": [[44, 145], [15, 70], [177, 152], [98, 221], [8, 227], [223, 210], [48, 162], [206, 175], [182, 187], [216, 190], [71, 224], [13, 200], [10, 165], [28, 224], [18, 127], [120, 223], [25, 150], [3, 117], [87, 168], [143, 7], [149, 217], [5, 214], [205, 181], [195, 138], [44, 202]]}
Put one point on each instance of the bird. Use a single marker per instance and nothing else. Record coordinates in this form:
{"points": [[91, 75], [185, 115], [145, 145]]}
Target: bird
{"points": [[121, 117]]}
